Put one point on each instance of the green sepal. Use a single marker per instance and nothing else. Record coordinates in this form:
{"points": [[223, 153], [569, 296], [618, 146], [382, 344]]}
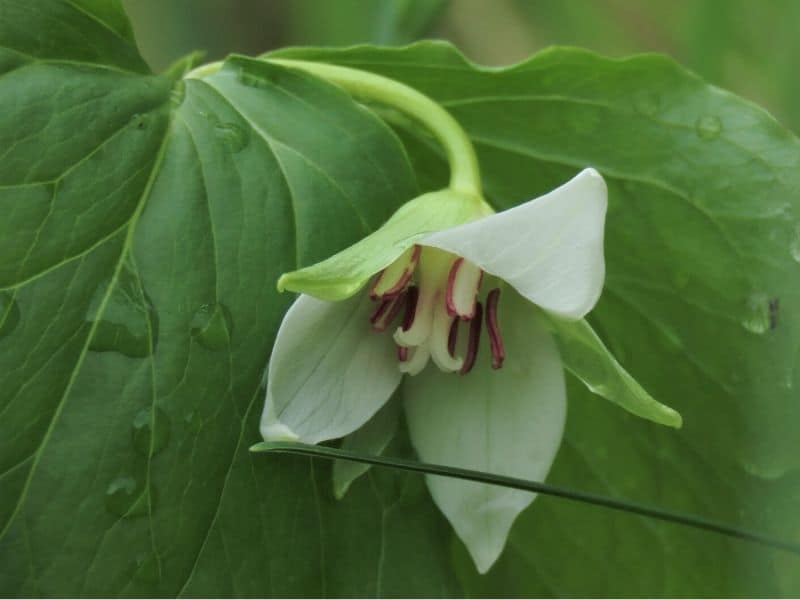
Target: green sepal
{"points": [[371, 438], [343, 274], [585, 356]]}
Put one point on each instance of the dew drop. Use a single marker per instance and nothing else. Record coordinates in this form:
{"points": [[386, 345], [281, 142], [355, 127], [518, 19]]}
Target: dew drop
{"points": [[708, 127], [769, 472], [145, 436], [794, 246], [757, 319], [9, 314], [128, 322], [125, 497], [212, 326], [234, 136]]}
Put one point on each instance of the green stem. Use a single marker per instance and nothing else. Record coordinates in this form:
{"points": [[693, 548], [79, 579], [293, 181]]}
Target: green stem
{"points": [[464, 171]]}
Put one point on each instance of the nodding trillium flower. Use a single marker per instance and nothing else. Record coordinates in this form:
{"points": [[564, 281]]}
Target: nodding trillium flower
{"points": [[447, 293]]}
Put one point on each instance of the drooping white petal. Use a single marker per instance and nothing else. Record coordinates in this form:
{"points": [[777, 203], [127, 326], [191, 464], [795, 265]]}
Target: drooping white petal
{"points": [[329, 371], [508, 422], [550, 248]]}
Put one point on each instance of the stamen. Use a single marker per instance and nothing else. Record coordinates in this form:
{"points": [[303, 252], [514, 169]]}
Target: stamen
{"points": [[387, 311], [462, 287], [452, 338], [419, 358], [495, 341], [474, 340], [402, 353], [394, 278], [439, 340], [411, 307], [419, 319]]}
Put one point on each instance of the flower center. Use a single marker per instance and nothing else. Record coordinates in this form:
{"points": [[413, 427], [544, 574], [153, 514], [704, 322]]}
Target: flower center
{"points": [[435, 292]]}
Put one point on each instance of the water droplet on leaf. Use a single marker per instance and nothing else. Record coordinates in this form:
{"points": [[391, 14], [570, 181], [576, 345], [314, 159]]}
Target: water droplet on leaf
{"points": [[794, 246], [9, 314], [150, 437], [708, 127], [126, 497], [757, 319], [212, 326], [128, 322], [234, 136]]}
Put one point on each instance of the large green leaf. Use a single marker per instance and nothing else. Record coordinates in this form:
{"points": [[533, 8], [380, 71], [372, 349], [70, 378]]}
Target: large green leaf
{"points": [[144, 224], [700, 305]]}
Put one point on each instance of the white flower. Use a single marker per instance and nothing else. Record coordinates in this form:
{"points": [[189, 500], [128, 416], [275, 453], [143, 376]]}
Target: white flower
{"points": [[461, 298]]}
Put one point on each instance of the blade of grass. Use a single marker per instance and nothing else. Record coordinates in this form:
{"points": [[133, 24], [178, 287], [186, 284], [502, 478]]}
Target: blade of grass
{"points": [[529, 486]]}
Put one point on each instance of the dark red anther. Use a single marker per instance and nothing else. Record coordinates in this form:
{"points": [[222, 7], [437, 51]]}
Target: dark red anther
{"points": [[474, 340], [402, 353], [382, 308], [451, 282], [402, 282], [495, 340], [452, 338], [411, 307], [387, 312]]}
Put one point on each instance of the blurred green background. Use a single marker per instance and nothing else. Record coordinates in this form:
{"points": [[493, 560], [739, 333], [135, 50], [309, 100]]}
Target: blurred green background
{"points": [[747, 46]]}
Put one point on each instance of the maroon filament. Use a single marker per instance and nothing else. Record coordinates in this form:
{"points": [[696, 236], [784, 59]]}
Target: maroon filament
{"points": [[474, 340], [495, 340]]}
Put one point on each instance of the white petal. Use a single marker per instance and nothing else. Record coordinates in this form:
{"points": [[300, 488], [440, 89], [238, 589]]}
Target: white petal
{"points": [[329, 371], [508, 422], [550, 248]]}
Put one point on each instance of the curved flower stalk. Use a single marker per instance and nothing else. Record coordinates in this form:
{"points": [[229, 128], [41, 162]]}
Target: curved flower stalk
{"points": [[459, 302]]}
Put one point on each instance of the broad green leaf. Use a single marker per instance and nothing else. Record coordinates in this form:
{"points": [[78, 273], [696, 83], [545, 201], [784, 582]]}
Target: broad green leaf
{"points": [[700, 307], [144, 224]]}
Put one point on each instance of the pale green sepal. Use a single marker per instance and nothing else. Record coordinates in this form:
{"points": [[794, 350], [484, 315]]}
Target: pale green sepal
{"points": [[585, 356], [343, 274], [372, 438], [507, 422]]}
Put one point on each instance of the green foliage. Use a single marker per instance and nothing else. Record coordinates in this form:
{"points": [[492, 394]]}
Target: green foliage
{"points": [[146, 220]]}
